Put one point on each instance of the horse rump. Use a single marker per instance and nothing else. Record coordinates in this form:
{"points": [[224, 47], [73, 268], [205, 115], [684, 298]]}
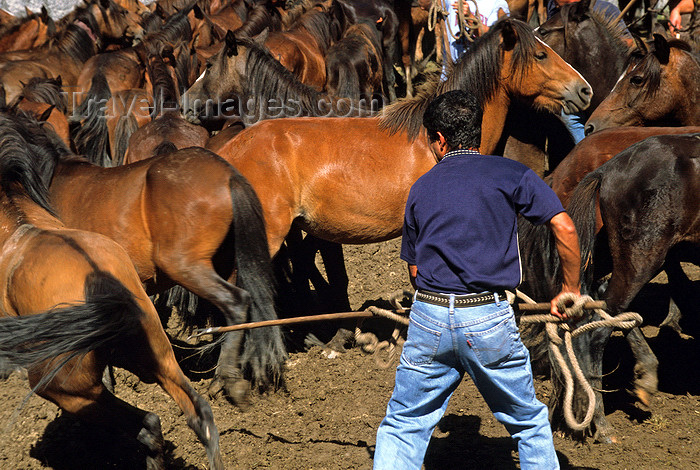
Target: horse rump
{"points": [[108, 313]]}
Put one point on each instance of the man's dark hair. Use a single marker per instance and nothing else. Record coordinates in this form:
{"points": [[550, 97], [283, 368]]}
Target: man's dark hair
{"points": [[457, 116]]}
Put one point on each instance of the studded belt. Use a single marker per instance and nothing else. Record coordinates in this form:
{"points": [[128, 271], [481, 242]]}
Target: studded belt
{"points": [[466, 300]]}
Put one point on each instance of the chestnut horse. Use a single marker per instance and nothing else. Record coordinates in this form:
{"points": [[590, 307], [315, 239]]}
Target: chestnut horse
{"points": [[25, 33], [347, 179], [662, 88], [72, 305], [186, 218]]}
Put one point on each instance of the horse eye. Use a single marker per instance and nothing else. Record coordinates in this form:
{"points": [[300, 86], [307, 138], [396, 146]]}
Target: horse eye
{"points": [[636, 80], [208, 65], [541, 55]]}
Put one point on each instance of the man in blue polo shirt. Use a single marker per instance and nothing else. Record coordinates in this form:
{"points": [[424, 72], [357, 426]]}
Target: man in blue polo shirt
{"points": [[461, 245]]}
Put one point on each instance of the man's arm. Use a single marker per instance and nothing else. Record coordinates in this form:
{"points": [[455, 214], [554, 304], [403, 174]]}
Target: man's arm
{"points": [[570, 254]]}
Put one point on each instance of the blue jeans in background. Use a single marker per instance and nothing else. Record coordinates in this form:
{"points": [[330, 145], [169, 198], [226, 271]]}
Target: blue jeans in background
{"points": [[575, 123], [442, 344]]}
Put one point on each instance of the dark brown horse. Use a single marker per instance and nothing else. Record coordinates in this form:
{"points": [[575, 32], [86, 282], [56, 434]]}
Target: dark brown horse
{"points": [[354, 65], [541, 273], [648, 204], [186, 218], [72, 305], [347, 179], [661, 88]]}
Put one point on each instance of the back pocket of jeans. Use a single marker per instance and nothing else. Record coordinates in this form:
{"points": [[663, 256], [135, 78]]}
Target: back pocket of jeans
{"points": [[421, 344], [495, 345]]}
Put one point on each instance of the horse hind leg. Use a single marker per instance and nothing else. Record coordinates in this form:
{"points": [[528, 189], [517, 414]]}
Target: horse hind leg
{"points": [[233, 302], [94, 404]]}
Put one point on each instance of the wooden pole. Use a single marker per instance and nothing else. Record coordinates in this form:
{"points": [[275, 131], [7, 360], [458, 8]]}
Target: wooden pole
{"points": [[523, 307]]}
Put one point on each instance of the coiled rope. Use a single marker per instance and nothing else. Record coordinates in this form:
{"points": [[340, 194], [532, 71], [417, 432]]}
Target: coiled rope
{"points": [[555, 325], [467, 23]]}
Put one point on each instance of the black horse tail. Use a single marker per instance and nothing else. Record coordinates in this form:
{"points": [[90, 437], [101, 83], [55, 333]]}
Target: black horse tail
{"points": [[107, 315], [92, 139], [126, 125], [264, 352], [582, 209]]}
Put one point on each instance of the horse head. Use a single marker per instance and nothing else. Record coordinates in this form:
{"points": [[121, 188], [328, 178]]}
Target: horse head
{"points": [[658, 88], [534, 73]]}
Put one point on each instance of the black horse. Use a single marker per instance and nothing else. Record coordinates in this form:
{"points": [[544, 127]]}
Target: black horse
{"points": [[647, 219]]}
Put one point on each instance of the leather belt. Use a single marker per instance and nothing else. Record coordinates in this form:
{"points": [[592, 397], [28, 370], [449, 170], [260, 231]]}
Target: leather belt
{"points": [[467, 300]]}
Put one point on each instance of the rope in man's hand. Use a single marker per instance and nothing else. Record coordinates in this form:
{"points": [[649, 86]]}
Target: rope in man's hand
{"points": [[556, 326]]}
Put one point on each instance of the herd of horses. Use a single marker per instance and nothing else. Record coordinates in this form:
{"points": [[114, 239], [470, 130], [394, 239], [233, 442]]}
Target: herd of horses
{"points": [[184, 143]]}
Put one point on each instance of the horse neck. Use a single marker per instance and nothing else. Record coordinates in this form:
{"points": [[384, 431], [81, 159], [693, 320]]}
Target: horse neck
{"points": [[493, 122], [688, 74]]}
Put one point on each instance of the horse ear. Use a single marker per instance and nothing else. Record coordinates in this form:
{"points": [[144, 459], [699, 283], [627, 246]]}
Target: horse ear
{"points": [[231, 44], [198, 13], [44, 14], [579, 10], [59, 80], [662, 51], [509, 37], [46, 114]]}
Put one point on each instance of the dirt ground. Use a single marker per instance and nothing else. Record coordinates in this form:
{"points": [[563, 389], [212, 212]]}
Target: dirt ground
{"points": [[327, 415]]}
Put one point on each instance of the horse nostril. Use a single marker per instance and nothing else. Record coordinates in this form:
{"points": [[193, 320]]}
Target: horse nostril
{"points": [[587, 91], [589, 129]]}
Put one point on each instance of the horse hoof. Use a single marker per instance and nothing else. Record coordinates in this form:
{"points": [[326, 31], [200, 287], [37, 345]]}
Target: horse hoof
{"points": [[239, 392], [643, 396], [606, 439], [215, 388]]}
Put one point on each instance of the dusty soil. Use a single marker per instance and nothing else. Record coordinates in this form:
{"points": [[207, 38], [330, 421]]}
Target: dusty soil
{"points": [[328, 413]]}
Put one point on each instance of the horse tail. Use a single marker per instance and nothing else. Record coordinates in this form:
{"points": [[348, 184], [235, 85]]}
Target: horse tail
{"points": [[126, 125], [582, 209], [92, 139], [264, 352], [107, 315]]}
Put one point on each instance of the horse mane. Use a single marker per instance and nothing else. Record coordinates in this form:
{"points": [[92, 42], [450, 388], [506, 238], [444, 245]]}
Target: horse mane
{"points": [[614, 28], [76, 42], [165, 94], [176, 28], [477, 70], [293, 14], [27, 158], [267, 79], [259, 18], [43, 90], [320, 25]]}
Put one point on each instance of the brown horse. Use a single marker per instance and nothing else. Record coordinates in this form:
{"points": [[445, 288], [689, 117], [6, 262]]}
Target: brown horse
{"points": [[186, 218], [597, 149], [302, 48], [168, 125], [25, 33], [72, 305], [347, 179], [82, 38], [661, 88], [43, 98]]}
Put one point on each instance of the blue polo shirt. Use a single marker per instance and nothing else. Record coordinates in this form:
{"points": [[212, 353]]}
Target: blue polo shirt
{"points": [[460, 225]]}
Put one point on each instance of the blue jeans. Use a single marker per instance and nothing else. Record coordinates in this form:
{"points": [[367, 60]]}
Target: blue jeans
{"points": [[575, 123], [442, 344]]}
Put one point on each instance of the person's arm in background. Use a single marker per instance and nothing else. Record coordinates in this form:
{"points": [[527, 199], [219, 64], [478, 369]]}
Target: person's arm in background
{"points": [[674, 18], [570, 255]]}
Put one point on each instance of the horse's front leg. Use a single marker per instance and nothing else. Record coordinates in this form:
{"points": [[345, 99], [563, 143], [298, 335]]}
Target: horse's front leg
{"points": [[646, 366]]}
